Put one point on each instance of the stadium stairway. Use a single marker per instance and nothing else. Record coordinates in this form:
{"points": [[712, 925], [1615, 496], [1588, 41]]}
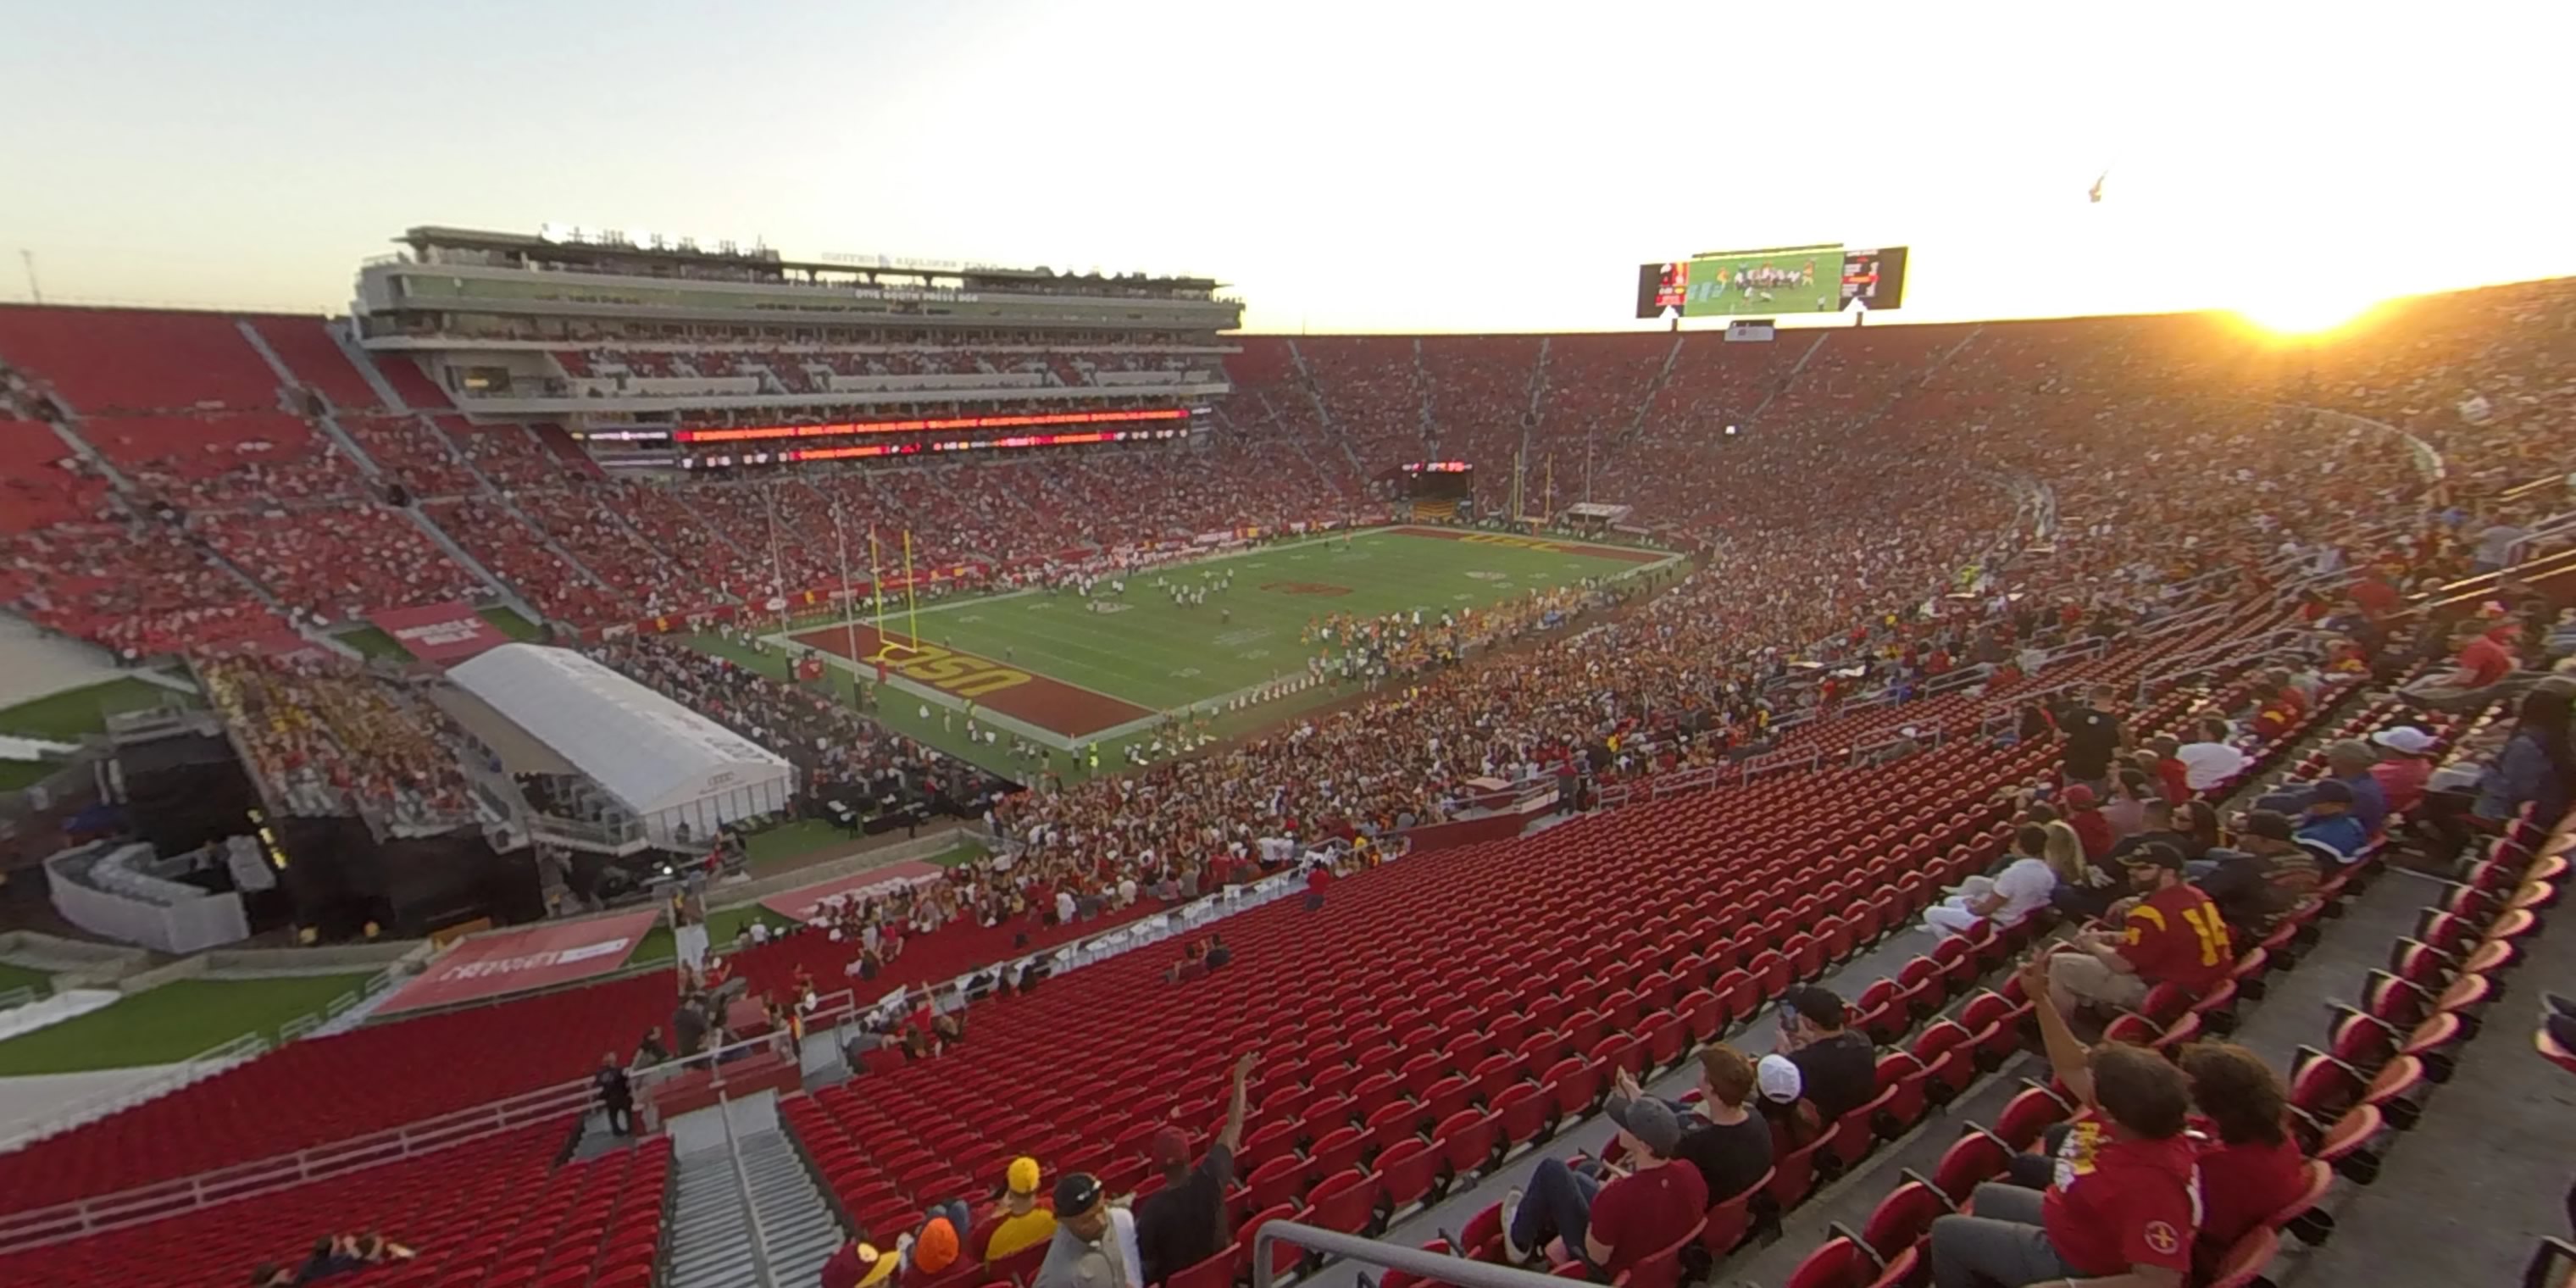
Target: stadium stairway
{"points": [[711, 1244], [1788, 378], [88, 452], [386, 396], [1323, 414], [2461, 1198]]}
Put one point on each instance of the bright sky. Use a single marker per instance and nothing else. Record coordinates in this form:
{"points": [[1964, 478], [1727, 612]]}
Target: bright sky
{"points": [[1389, 165]]}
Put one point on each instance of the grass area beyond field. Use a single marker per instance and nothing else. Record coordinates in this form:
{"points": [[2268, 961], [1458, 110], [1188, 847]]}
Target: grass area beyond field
{"points": [[66, 716], [372, 641], [510, 623], [171, 1023], [17, 977]]}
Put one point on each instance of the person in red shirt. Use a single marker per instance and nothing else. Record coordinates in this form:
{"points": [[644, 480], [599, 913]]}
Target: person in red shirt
{"points": [[2484, 662], [2084, 814], [1318, 876], [1625, 1213], [2250, 1165], [2120, 1203], [2404, 766], [2173, 776], [2170, 933], [2374, 592]]}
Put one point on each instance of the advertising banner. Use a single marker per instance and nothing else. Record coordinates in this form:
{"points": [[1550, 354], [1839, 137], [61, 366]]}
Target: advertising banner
{"points": [[513, 961]]}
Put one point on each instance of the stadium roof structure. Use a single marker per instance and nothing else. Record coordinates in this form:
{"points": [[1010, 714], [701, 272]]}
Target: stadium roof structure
{"points": [[764, 257], [668, 764]]}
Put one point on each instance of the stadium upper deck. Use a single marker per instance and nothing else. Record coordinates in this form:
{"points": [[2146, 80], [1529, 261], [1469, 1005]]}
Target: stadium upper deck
{"points": [[604, 327]]}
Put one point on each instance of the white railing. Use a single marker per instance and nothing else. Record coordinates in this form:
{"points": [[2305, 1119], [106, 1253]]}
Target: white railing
{"points": [[1929, 734], [19, 996], [1964, 677], [2201, 616], [2224, 653], [34, 1229]]}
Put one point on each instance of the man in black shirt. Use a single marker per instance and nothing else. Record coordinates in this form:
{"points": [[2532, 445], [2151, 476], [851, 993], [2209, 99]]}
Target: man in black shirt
{"points": [[2093, 736], [616, 1095], [1721, 1135], [1183, 1223], [1838, 1067]]}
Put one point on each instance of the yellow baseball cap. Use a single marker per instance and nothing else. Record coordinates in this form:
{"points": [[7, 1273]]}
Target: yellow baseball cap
{"points": [[1022, 1178]]}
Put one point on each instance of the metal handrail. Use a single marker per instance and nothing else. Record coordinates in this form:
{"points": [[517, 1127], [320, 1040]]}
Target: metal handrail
{"points": [[1436, 1267], [143, 1204], [742, 1191]]}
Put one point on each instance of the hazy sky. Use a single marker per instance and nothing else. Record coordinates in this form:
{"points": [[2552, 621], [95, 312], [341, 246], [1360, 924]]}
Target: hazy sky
{"points": [[1388, 165]]}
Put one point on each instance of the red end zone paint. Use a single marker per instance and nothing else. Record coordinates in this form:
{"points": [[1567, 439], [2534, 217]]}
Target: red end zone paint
{"points": [[512, 961], [1511, 541], [1021, 695], [803, 902]]}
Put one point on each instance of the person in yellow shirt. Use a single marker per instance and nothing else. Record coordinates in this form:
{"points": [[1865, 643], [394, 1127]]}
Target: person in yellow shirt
{"points": [[1022, 1220]]}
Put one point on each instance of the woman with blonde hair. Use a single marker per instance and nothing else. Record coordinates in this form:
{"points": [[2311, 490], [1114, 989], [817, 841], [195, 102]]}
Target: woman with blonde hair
{"points": [[2083, 890]]}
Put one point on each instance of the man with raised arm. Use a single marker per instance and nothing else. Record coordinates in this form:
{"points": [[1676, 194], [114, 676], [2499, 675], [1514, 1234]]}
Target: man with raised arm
{"points": [[1183, 1223], [2122, 1204]]}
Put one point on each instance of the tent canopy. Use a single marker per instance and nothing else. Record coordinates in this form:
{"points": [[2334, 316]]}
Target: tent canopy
{"points": [[650, 752]]}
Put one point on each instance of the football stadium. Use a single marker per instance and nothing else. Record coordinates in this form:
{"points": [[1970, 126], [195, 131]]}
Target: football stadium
{"points": [[590, 758]]}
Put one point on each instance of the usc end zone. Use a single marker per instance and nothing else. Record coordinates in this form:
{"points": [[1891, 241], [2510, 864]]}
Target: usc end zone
{"points": [[1043, 701]]}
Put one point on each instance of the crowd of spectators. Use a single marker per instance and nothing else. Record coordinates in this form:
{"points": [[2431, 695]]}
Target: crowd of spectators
{"points": [[2476, 375], [1372, 395], [1477, 392], [410, 452], [335, 562], [326, 735]]}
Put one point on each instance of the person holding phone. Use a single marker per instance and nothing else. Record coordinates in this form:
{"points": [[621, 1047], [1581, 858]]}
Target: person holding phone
{"points": [[1836, 1064]]}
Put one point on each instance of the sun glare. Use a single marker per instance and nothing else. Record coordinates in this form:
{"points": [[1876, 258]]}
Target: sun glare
{"points": [[2306, 313]]}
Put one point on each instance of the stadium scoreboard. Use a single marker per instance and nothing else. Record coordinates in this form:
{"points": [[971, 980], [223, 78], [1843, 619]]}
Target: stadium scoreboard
{"points": [[1787, 279]]}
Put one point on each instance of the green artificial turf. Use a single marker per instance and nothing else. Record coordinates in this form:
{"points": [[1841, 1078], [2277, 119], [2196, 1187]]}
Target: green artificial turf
{"points": [[66, 716], [13, 978], [373, 642], [510, 623], [171, 1023]]}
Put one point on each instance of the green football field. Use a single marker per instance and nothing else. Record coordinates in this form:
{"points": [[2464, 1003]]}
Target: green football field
{"points": [[1818, 290], [1047, 661]]}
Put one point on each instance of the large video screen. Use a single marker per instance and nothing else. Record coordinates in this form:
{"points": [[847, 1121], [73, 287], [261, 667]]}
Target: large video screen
{"points": [[1767, 283]]}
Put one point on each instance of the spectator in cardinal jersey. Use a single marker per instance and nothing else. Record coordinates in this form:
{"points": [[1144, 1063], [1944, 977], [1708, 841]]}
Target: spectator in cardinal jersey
{"points": [[2121, 1203], [2405, 765], [2084, 814]]}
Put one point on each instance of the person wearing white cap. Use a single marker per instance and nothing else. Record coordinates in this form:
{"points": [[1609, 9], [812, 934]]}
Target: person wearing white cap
{"points": [[2405, 763], [1794, 1121]]}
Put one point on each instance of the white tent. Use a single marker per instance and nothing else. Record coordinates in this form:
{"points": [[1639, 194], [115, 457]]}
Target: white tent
{"points": [[666, 763]]}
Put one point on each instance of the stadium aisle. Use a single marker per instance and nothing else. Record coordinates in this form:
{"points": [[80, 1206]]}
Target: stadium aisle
{"points": [[2462, 1198], [2292, 1013]]}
